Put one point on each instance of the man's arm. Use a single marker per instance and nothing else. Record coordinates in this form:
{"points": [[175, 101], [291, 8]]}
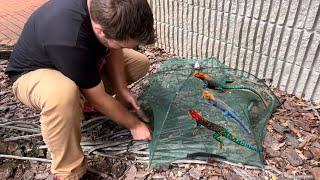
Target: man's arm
{"points": [[115, 111], [115, 69], [116, 72]]}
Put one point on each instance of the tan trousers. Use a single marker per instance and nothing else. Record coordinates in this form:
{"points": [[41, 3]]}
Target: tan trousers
{"points": [[58, 99]]}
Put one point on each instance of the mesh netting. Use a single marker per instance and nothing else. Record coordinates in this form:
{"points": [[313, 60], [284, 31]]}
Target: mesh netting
{"points": [[174, 90]]}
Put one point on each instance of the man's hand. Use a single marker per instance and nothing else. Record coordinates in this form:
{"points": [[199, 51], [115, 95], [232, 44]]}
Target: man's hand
{"points": [[141, 132], [126, 98]]}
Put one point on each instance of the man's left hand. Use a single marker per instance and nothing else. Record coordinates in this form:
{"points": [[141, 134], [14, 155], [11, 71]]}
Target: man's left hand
{"points": [[126, 98]]}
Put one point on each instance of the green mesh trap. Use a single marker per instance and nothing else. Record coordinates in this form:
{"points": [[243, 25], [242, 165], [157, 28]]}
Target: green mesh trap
{"points": [[173, 90]]}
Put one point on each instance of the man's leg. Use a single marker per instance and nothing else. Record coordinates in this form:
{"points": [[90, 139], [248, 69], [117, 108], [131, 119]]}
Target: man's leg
{"points": [[58, 99], [136, 66]]}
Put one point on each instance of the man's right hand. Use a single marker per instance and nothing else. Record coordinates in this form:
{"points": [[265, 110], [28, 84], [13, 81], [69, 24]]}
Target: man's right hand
{"points": [[141, 132]]}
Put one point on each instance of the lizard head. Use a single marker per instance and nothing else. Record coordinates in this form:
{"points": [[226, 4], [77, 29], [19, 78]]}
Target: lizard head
{"points": [[199, 75], [207, 95], [195, 115]]}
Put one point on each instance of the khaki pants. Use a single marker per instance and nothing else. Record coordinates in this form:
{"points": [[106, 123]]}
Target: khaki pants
{"points": [[58, 99]]}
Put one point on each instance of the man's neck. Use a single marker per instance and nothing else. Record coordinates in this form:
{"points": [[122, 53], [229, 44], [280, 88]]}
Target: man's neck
{"points": [[88, 4]]}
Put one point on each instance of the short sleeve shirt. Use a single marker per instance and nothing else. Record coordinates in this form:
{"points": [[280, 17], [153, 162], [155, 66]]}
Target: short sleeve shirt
{"points": [[59, 35]]}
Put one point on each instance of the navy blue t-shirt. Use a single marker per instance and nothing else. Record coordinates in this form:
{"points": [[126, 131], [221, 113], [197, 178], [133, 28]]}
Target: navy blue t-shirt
{"points": [[59, 35]]}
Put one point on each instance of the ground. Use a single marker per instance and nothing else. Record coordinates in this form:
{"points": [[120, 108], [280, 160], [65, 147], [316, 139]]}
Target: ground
{"points": [[292, 146]]}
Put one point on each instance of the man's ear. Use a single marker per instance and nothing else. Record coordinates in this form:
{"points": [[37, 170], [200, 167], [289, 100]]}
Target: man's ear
{"points": [[98, 30]]}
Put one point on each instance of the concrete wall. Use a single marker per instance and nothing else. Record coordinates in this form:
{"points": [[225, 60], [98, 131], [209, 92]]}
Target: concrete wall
{"points": [[276, 39]]}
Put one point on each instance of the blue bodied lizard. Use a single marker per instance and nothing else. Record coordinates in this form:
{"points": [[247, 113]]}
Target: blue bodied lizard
{"points": [[227, 111]]}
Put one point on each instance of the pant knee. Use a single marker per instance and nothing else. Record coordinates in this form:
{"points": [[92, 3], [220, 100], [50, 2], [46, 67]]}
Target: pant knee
{"points": [[63, 100]]}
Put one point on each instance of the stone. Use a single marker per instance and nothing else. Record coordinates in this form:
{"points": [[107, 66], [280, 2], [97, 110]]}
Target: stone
{"points": [[12, 147], [42, 175], [28, 175], [316, 144], [307, 154], [18, 152], [8, 115], [41, 167], [185, 177], [232, 175], [315, 152], [6, 172], [278, 127], [293, 158], [131, 173], [18, 173], [158, 176], [181, 172], [272, 153], [3, 147], [292, 141], [141, 175], [4, 108], [213, 178], [195, 173]]}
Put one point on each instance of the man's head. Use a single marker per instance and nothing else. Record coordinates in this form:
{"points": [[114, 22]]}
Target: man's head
{"points": [[122, 23]]}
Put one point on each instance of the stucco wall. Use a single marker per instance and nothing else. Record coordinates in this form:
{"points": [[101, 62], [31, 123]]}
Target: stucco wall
{"points": [[277, 39]]}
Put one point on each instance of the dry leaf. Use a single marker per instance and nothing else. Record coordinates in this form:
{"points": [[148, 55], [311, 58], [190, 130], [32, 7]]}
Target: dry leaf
{"points": [[301, 154], [276, 147]]}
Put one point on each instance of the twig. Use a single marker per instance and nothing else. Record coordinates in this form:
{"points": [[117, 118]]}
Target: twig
{"points": [[92, 120], [12, 103], [243, 173], [20, 129], [131, 86], [106, 155], [17, 119], [4, 92], [24, 158], [317, 113], [312, 107], [139, 152], [127, 133], [22, 137], [107, 145], [299, 177], [21, 122], [93, 126], [24, 118], [93, 143], [223, 161]]}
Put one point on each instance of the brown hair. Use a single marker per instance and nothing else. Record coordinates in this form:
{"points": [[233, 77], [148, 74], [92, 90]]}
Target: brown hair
{"points": [[124, 19]]}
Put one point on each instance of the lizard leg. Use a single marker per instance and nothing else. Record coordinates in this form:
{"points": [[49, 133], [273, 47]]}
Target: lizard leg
{"points": [[225, 115], [216, 136], [229, 80], [196, 128], [205, 84], [219, 89]]}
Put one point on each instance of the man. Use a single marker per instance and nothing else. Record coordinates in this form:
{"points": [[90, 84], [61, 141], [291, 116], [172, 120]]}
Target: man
{"points": [[55, 61]]}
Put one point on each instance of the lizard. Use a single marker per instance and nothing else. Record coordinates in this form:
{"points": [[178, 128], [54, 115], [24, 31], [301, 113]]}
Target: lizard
{"points": [[227, 111], [220, 131], [222, 84]]}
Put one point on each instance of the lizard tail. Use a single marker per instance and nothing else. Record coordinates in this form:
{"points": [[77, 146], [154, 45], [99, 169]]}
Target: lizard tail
{"points": [[254, 91], [242, 125], [243, 143]]}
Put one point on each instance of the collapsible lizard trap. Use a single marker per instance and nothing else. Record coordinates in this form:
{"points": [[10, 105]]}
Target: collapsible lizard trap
{"points": [[174, 90]]}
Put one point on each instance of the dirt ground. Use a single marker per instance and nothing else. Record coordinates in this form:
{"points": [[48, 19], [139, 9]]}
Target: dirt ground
{"points": [[292, 145]]}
